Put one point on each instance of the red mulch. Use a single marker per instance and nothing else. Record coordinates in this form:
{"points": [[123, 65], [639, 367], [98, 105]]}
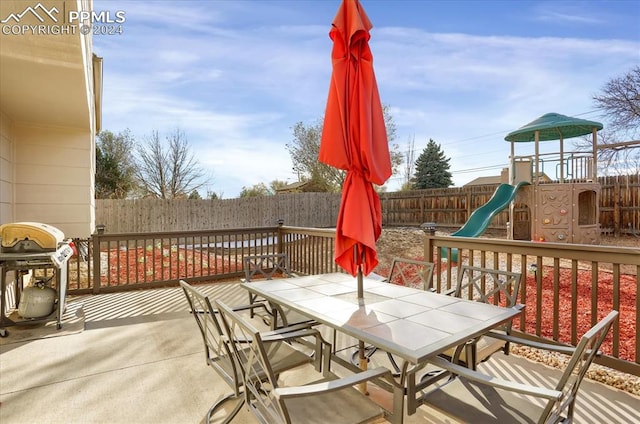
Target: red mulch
{"points": [[627, 297], [142, 265]]}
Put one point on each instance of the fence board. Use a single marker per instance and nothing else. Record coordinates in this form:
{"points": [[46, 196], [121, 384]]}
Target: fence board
{"points": [[156, 215], [450, 207]]}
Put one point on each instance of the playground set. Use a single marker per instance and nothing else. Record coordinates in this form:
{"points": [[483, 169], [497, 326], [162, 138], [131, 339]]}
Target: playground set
{"points": [[563, 209]]}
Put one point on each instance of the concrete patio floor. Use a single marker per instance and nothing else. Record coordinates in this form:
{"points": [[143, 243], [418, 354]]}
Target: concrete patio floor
{"points": [[140, 359]]}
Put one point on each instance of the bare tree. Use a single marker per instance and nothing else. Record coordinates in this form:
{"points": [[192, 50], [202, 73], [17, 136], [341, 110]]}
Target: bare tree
{"points": [[620, 101], [628, 160], [409, 163], [171, 171], [304, 151], [305, 147], [615, 157]]}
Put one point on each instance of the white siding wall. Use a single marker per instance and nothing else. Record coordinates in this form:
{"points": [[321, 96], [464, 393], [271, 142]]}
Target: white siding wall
{"points": [[6, 169], [47, 152], [54, 178]]}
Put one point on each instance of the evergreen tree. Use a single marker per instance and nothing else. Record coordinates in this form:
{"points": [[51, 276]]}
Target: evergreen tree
{"points": [[432, 168], [255, 190], [194, 195], [115, 168]]}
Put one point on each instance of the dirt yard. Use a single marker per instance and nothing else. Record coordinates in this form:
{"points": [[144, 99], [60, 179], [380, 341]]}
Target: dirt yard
{"points": [[408, 242]]}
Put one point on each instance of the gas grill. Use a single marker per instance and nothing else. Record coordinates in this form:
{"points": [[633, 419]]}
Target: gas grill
{"points": [[42, 251]]}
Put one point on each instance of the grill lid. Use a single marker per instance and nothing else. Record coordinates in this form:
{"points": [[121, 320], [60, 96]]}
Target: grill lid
{"points": [[29, 237]]}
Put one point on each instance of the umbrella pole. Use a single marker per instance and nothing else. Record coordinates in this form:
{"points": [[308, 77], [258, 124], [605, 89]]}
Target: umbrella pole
{"points": [[361, 351], [360, 284], [363, 365]]}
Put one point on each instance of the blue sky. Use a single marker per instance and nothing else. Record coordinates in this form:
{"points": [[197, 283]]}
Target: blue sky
{"points": [[236, 76]]}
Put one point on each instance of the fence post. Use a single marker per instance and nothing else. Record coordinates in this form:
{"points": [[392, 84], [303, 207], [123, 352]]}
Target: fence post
{"points": [[429, 229], [280, 244], [616, 208], [95, 255]]}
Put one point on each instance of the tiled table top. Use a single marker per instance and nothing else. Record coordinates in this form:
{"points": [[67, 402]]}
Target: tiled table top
{"points": [[407, 322]]}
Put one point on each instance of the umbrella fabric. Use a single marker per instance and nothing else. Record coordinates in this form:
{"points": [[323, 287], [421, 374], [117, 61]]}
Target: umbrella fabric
{"points": [[354, 139]]}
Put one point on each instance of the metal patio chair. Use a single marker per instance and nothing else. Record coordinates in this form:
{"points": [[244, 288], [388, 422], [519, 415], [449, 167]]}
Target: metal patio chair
{"points": [[266, 267], [479, 398], [409, 273], [488, 286], [327, 400], [219, 353]]}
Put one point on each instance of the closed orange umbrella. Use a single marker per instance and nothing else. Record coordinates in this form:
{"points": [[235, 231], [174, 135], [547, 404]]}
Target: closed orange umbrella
{"points": [[354, 138]]}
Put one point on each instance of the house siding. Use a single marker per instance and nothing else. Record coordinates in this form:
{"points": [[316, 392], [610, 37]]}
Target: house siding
{"points": [[54, 177], [6, 169], [48, 124]]}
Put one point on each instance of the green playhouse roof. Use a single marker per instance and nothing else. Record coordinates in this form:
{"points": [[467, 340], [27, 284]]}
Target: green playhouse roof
{"points": [[553, 126]]}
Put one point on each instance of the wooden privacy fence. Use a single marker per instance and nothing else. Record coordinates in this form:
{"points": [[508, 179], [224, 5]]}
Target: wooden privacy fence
{"points": [[450, 207], [620, 204], [157, 215]]}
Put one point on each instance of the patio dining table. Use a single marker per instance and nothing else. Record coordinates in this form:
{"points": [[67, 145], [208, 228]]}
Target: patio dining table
{"points": [[412, 324]]}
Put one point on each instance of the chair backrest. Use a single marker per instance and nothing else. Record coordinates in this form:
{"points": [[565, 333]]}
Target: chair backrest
{"points": [[581, 359], [218, 352], [488, 285], [411, 273], [252, 356], [266, 266]]}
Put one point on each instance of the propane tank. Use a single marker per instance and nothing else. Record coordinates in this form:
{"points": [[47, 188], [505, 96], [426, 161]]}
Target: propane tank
{"points": [[37, 302]]}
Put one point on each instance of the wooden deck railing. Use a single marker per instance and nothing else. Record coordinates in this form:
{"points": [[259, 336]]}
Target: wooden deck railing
{"points": [[567, 286], [127, 261], [310, 250]]}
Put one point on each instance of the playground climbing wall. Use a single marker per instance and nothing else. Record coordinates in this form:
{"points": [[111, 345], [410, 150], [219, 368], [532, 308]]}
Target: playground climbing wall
{"points": [[565, 213]]}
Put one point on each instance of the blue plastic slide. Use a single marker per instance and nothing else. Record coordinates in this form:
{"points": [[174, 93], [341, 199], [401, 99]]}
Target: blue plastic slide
{"points": [[481, 217]]}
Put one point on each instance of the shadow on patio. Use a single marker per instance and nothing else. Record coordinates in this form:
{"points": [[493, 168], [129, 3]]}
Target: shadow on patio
{"points": [[140, 359]]}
